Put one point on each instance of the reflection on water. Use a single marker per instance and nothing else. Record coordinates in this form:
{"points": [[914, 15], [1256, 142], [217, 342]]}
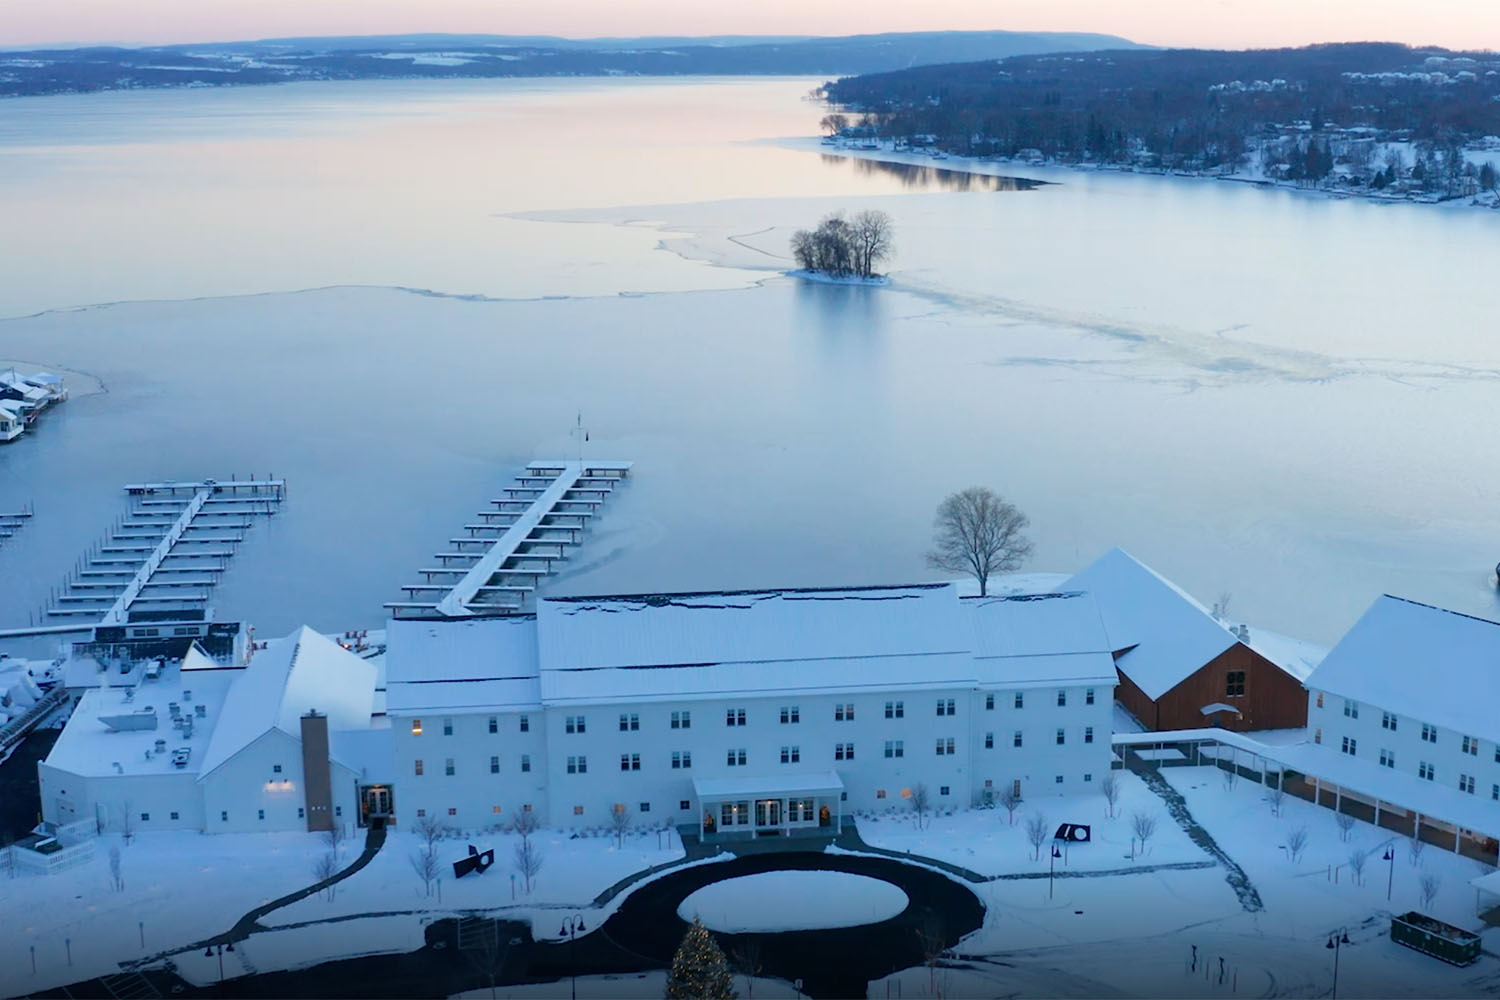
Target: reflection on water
{"points": [[920, 177]]}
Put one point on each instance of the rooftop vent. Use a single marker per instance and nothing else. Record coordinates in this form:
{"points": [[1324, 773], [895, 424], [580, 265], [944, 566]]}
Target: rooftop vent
{"points": [[201, 711]]}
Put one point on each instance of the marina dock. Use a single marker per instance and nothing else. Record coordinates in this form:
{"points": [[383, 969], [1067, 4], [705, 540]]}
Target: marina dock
{"points": [[12, 522], [162, 560], [496, 568]]}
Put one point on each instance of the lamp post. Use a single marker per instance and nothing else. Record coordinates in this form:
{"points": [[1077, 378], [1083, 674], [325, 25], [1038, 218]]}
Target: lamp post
{"points": [[1390, 879], [1052, 869], [1336, 941], [571, 928], [219, 950]]}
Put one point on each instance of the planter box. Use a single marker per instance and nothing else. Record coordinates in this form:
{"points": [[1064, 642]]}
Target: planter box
{"points": [[1434, 937]]}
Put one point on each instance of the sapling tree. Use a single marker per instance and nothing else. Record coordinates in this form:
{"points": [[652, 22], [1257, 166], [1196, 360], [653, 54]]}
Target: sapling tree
{"points": [[921, 805], [116, 876], [619, 822], [1010, 799], [1143, 825], [1036, 834], [1110, 787], [525, 824], [127, 821], [1231, 777], [528, 861], [325, 867], [1296, 842], [1414, 847], [430, 829], [1277, 797], [1345, 824], [425, 863], [1357, 861], [1430, 884]]}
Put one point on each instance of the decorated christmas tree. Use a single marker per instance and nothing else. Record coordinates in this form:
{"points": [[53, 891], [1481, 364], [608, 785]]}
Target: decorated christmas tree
{"points": [[699, 968]]}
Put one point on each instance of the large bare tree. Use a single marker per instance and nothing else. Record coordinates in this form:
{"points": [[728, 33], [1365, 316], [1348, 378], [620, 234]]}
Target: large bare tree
{"points": [[873, 240], [977, 532]]}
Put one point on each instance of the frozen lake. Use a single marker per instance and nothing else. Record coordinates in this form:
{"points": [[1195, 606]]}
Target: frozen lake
{"points": [[393, 294]]}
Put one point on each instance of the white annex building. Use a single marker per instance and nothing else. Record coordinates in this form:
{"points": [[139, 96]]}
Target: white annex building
{"points": [[757, 711], [283, 743]]}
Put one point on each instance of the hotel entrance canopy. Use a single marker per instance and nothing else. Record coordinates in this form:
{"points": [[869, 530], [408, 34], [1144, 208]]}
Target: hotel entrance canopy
{"points": [[770, 804]]}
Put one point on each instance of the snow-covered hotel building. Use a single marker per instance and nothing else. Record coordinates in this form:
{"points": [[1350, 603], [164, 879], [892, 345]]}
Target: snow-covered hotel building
{"points": [[745, 712]]}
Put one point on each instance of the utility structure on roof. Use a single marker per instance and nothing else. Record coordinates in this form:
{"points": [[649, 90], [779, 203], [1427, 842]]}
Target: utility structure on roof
{"points": [[495, 569]]}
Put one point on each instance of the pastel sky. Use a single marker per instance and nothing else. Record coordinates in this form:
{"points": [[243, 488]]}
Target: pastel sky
{"points": [[1218, 23]]}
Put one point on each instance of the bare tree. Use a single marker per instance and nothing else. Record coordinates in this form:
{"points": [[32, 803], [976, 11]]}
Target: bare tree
{"points": [[834, 124], [1110, 786], [1036, 834], [525, 824], [1231, 777], [116, 878], [1296, 842], [1430, 884], [425, 864], [127, 820], [528, 861], [430, 829], [1221, 607], [1414, 847], [1011, 800], [619, 822], [1357, 861], [334, 837], [977, 532], [325, 867], [873, 241], [1345, 824], [746, 958], [1143, 825], [921, 804], [1277, 797]]}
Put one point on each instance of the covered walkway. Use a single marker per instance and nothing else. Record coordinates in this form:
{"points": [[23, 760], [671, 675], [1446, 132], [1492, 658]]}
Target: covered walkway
{"points": [[780, 805]]}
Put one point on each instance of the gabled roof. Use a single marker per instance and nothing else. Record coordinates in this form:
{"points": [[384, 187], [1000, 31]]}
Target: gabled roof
{"points": [[1160, 635], [283, 682], [1431, 664]]}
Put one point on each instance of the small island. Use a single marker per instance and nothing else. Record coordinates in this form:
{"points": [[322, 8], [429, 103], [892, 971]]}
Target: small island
{"points": [[845, 249]]}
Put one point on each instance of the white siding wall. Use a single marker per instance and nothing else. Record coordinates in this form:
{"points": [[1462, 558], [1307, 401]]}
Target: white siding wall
{"points": [[68, 797], [1447, 757], [246, 794], [472, 791]]}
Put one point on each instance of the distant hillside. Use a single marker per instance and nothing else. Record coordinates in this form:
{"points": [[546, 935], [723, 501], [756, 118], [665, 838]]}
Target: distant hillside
{"points": [[73, 70]]}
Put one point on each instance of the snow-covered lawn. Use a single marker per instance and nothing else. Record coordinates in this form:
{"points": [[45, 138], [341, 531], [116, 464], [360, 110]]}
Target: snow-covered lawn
{"points": [[986, 842], [758, 903], [182, 887]]}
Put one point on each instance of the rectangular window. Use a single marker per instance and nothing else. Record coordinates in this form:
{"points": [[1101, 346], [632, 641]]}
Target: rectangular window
{"points": [[338, 810], [843, 713], [224, 816], [1062, 737], [942, 789], [734, 717], [1387, 721], [682, 759], [1320, 699], [578, 765], [259, 814], [417, 767], [1088, 734], [146, 817], [1495, 792], [448, 766], [494, 724], [944, 746], [525, 722], [578, 810], [1426, 770], [791, 755], [416, 727], [945, 706], [989, 741], [452, 811], [735, 758], [682, 720], [1429, 733], [989, 703], [880, 793], [1016, 740], [629, 722], [1088, 777], [421, 813], [1471, 745], [684, 805], [494, 765], [630, 762], [1387, 758], [895, 709], [1234, 684], [1058, 780], [575, 724], [645, 807], [447, 727], [525, 762], [1088, 699], [1351, 708], [895, 748], [1020, 699], [275, 768], [790, 715], [843, 751], [1062, 699], [1350, 746], [1466, 783], [1318, 735]]}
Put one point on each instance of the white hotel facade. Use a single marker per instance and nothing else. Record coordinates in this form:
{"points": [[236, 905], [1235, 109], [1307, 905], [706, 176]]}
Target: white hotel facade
{"points": [[763, 711]]}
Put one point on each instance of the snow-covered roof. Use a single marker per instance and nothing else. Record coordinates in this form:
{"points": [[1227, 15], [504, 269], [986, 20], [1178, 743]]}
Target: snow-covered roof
{"points": [[1487, 883], [790, 784], [470, 663], [1011, 584], [1167, 633], [1431, 664], [1030, 639], [1295, 656], [283, 682]]}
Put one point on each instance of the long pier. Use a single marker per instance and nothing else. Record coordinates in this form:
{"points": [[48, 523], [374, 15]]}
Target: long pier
{"points": [[14, 521], [497, 567], [166, 555]]}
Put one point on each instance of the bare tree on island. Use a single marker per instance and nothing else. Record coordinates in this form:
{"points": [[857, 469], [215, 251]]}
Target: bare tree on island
{"points": [[977, 532], [844, 248]]}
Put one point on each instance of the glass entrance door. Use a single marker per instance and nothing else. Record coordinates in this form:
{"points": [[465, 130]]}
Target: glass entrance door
{"points": [[768, 812]]}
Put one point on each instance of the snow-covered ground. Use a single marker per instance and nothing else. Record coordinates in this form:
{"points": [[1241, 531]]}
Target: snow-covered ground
{"points": [[986, 842], [179, 888], [758, 903]]}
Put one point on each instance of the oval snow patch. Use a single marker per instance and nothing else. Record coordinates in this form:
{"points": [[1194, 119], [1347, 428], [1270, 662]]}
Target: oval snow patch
{"points": [[793, 901]]}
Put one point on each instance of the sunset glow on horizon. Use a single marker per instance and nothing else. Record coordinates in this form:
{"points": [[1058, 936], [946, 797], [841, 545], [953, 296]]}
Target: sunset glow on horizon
{"points": [[1458, 24]]}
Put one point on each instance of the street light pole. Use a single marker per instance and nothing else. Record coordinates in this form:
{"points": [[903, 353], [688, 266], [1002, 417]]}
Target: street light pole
{"points": [[1390, 879], [1336, 941], [571, 928], [1052, 869]]}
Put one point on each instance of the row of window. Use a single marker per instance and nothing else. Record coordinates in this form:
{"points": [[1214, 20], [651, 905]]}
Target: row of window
{"points": [[789, 714], [450, 766], [1429, 734]]}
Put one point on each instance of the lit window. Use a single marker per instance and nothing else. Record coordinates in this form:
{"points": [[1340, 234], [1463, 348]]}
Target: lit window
{"points": [[906, 793], [416, 727], [1471, 745]]}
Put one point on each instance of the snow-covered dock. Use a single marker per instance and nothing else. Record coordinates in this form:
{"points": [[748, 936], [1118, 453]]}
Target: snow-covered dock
{"points": [[173, 528], [498, 565], [13, 521]]}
